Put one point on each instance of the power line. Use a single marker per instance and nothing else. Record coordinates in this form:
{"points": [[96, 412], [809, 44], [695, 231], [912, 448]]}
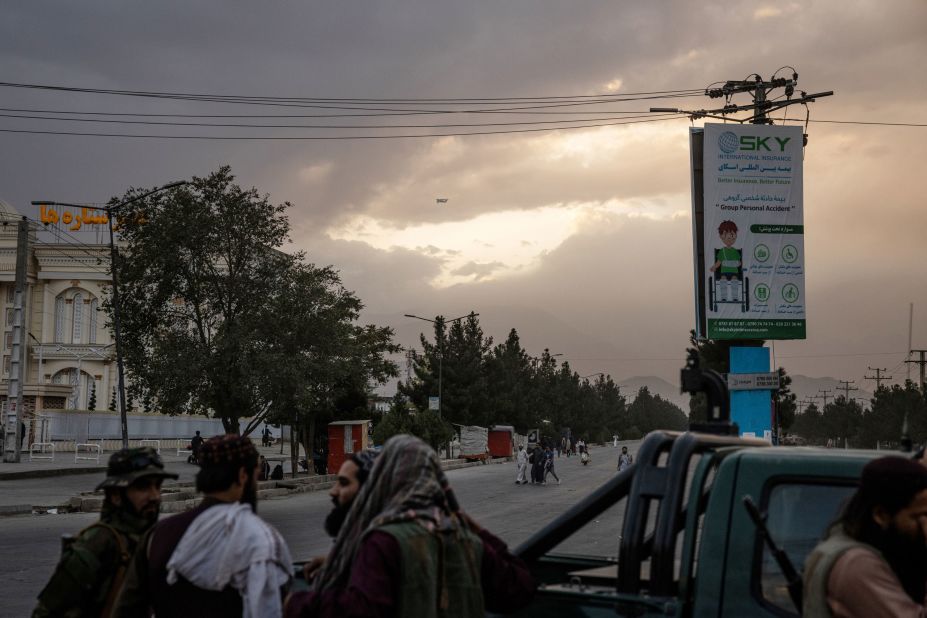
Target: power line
{"points": [[330, 126], [331, 137], [451, 100], [433, 113]]}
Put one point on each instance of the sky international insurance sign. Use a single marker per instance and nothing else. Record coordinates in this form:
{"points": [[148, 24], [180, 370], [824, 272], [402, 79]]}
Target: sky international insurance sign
{"points": [[753, 253]]}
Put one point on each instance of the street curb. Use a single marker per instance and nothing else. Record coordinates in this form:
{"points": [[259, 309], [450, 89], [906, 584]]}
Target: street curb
{"points": [[38, 474], [15, 509]]}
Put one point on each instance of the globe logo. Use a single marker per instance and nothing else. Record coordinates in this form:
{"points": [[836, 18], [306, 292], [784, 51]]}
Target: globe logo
{"points": [[728, 142]]}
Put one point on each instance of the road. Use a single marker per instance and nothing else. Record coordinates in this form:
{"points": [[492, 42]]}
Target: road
{"points": [[29, 545]]}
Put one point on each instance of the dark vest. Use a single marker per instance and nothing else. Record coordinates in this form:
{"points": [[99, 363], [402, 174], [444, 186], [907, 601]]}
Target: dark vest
{"points": [[440, 572], [183, 599]]}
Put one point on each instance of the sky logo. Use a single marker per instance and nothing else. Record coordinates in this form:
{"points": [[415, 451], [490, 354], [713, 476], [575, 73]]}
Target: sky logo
{"points": [[728, 142]]}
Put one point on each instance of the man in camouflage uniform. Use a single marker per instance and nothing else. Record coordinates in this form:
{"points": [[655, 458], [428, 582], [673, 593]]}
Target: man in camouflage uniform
{"points": [[92, 566]]}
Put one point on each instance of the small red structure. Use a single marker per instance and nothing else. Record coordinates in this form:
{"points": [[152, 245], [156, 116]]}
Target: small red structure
{"points": [[500, 440], [345, 438]]}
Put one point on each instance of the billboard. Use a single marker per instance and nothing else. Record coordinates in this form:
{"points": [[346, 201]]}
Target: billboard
{"points": [[750, 258]]}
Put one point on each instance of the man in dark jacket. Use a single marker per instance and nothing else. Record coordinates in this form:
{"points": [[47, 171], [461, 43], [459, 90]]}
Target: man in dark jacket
{"points": [[219, 559], [93, 565]]}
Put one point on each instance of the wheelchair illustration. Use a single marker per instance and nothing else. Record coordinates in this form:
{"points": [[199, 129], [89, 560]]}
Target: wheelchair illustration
{"points": [[742, 299]]}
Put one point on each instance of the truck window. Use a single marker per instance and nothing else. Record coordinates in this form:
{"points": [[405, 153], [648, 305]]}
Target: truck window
{"points": [[798, 516]]}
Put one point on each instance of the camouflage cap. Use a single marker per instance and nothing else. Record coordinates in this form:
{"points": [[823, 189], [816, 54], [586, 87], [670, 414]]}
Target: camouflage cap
{"points": [[130, 464]]}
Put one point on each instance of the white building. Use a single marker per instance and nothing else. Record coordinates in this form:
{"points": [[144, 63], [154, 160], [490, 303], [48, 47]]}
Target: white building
{"points": [[70, 355]]}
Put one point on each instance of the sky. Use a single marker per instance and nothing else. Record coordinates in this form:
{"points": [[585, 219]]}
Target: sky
{"points": [[579, 239]]}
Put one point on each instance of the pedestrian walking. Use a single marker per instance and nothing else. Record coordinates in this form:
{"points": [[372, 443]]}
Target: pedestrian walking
{"points": [[406, 549], [537, 466], [264, 469], [521, 466], [220, 559], [93, 565], [569, 447], [549, 466], [625, 459]]}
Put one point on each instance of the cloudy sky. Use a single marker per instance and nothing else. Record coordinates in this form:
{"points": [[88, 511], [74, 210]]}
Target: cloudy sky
{"points": [[580, 239]]}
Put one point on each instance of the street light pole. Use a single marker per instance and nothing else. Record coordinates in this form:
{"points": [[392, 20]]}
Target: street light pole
{"points": [[117, 317]]}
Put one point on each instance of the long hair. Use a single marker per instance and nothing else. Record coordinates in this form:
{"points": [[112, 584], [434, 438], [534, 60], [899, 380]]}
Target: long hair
{"points": [[406, 484]]}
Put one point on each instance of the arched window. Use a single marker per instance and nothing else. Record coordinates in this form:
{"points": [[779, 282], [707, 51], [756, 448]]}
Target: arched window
{"points": [[59, 319], [94, 307]]}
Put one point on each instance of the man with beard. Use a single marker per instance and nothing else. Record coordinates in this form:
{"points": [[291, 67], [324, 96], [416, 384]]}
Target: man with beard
{"points": [[93, 566], [351, 477], [405, 549], [219, 559], [874, 560]]}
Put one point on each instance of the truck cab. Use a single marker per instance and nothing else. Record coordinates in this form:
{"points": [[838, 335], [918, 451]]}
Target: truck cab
{"points": [[686, 544]]}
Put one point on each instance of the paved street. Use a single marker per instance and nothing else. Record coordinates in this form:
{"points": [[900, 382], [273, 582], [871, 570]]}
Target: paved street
{"points": [[29, 545]]}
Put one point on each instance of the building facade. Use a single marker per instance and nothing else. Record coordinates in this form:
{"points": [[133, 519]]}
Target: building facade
{"points": [[70, 352]]}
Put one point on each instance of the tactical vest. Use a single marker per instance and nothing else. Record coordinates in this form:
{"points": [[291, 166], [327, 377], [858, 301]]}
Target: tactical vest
{"points": [[817, 571], [440, 573]]}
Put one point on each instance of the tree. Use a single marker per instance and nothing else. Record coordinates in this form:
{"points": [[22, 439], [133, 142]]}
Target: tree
{"points": [[785, 401], [324, 362], [112, 401], [92, 402], [217, 320], [201, 264], [649, 412]]}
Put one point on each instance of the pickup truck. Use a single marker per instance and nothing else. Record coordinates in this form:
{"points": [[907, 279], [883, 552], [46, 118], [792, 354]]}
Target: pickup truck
{"points": [[688, 545]]}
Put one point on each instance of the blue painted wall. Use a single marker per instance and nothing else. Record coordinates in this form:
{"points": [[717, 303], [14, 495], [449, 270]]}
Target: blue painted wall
{"points": [[751, 410]]}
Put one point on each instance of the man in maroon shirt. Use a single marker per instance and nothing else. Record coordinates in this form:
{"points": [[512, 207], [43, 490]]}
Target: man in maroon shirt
{"points": [[406, 549]]}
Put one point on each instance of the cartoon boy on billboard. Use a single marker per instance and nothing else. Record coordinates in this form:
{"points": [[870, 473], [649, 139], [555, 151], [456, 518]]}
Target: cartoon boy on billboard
{"points": [[728, 263]]}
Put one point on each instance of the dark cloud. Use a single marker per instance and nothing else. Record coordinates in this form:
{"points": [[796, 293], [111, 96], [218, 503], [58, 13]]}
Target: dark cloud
{"points": [[479, 271], [594, 296]]}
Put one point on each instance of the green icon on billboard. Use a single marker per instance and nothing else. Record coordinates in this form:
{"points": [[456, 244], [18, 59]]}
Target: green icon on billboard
{"points": [[761, 292], [790, 292], [789, 253], [761, 253]]}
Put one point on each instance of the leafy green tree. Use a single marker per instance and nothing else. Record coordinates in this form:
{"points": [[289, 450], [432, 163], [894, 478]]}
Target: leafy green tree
{"points": [[217, 320], [457, 357], [649, 412], [324, 362], [92, 402], [425, 424], [785, 401], [890, 406], [809, 425], [201, 264], [112, 401]]}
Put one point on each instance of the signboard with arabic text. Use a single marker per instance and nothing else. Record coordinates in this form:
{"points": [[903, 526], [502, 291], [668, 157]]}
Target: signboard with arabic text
{"points": [[753, 232]]}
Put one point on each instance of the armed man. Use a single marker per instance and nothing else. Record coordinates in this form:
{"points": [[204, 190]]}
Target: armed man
{"points": [[92, 566]]}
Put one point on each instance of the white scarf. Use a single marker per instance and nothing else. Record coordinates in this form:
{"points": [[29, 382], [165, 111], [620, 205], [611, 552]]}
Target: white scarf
{"points": [[227, 544]]}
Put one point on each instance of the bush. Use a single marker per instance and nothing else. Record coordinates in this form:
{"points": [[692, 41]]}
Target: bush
{"points": [[426, 425]]}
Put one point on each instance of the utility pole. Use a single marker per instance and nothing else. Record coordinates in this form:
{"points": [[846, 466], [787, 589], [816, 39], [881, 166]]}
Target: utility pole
{"points": [[759, 90], [921, 362], [14, 398], [878, 377], [825, 391], [846, 388]]}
